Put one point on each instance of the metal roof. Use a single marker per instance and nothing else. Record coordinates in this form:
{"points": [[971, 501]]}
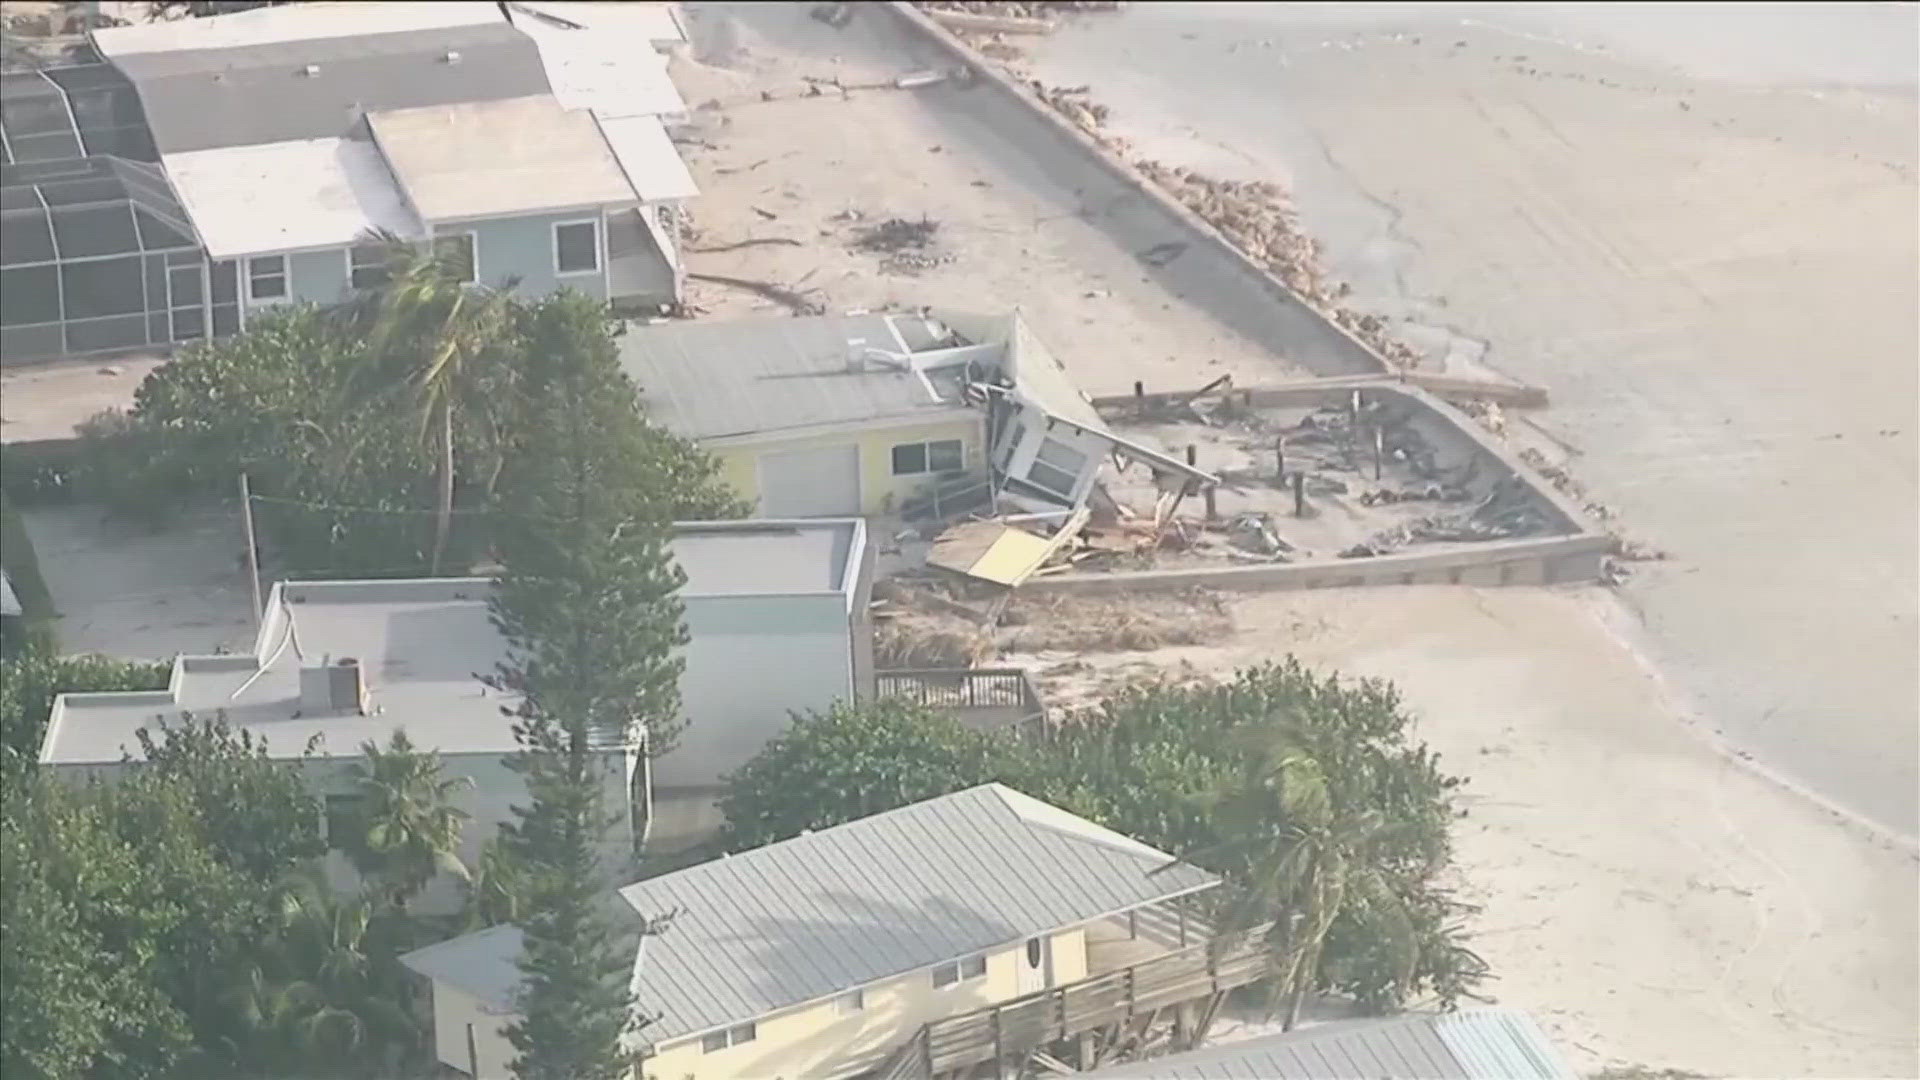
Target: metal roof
{"points": [[505, 156], [822, 913], [709, 380], [601, 67], [285, 196], [1474, 1044], [278, 91], [290, 22], [648, 157]]}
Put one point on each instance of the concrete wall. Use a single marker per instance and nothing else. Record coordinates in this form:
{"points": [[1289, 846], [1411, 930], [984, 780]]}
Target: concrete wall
{"points": [[521, 248], [750, 663], [1214, 275], [453, 1012], [816, 1039], [880, 491], [1575, 554]]}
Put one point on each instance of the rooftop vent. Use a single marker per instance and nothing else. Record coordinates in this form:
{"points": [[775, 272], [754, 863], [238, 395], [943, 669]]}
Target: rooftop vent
{"points": [[453, 56], [310, 70], [333, 688], [856, 354]]}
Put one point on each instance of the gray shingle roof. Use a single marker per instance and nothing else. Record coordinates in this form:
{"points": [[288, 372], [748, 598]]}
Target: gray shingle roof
{"points": [[708, 380], [1475, 1044], [197, 99], [822, 913]]}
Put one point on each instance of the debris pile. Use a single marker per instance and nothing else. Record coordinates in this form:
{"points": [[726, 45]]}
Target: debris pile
{"points": [[1023, 9], [936, 623], [905, 246], [1508, 511]]}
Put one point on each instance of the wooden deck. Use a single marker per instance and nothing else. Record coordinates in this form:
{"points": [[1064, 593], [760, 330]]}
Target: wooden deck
{"points": [[1129, 975]]}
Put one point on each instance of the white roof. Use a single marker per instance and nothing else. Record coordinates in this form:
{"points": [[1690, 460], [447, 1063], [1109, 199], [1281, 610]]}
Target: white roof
{"points": [[602, 69], [290, 22], [9, 603], [495, 158], [648, 157], [656, 23], [287, 196]]}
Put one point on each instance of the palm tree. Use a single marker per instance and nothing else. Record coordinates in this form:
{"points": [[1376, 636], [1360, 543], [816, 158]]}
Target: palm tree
{"points": [[329, 997], [430, 331], [410, 829], [1294, 854]]}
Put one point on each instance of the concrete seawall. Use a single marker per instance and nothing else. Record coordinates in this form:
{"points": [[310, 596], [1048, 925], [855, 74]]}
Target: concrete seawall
{"points": [[1574, 554], [1211, 273]]}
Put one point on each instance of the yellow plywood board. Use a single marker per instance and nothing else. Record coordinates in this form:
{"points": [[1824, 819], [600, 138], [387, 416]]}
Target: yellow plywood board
{"points": [[1012, 558]]}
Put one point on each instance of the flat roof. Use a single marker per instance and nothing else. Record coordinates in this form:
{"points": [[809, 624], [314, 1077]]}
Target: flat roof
{"points": [[598, 67], [290, 22], [420, 644], [824, 912], [285, 196], [634, 20], [647, 157], [309, 88], [709, 380], [485, 158]]}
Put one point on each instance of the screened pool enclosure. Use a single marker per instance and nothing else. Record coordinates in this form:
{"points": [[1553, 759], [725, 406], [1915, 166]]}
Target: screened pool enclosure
{"points": [[96, 253]]}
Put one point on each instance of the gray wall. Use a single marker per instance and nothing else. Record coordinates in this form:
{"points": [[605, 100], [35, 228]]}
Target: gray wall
{"points": [[522, 248], [752, 661], [318, 277]]}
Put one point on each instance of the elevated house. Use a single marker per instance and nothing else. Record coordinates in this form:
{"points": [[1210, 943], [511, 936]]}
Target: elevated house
{"points": [[199, 170], [834, 953], [340, 663], [885, 414]]}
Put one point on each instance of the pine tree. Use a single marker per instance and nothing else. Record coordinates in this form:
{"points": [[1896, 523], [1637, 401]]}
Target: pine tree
{"points": [[587, 605]]}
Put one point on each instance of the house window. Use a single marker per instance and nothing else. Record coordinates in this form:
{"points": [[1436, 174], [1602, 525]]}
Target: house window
{"points": [[458, 250], [343, 818], [720, 1040], [576, 247], [368, 267], [913, 459], [850, 1003], [1056, 467], [973, 967], [267, 277]]}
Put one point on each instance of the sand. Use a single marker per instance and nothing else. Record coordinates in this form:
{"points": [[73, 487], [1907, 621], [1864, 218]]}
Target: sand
{"points": [[1651, 902]]}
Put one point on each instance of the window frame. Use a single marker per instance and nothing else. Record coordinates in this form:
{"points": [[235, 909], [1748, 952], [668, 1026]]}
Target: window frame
{"points": [[965, 969], [335, 808], [472, 238], [286, 284], [384, 267], [598, 259], [1039, 463], [925, 448], [715, 1041]]}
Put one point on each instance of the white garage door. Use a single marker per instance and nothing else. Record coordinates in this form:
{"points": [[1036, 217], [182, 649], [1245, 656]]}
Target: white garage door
{"points": [[823, 482]]}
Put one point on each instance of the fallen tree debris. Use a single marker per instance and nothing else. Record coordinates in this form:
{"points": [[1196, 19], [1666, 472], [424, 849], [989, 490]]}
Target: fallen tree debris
{"points": [[793, 301], [744, 244]]}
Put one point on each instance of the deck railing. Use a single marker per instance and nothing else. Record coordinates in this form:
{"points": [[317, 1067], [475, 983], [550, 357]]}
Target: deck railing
{"points": [[1010, 690], [1019, 1026]]}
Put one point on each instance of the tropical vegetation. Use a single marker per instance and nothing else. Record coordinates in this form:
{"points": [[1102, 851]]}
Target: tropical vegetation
{"points": [[1328, 822]]}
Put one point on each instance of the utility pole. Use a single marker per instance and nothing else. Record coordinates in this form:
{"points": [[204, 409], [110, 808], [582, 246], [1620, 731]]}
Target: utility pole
{"points": [[253, 547]]}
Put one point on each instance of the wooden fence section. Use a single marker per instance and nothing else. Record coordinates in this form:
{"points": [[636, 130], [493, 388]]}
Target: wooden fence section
{"points": [[1021, 1025]]}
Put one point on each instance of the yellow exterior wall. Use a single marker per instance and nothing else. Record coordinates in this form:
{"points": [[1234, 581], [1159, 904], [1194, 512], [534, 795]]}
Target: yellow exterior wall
{"points": [[880, 490], [796, 1043]]}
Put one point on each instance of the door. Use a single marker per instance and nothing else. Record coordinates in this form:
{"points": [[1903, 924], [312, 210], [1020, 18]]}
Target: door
{"points": [[817, 482], [1032, 966]]}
